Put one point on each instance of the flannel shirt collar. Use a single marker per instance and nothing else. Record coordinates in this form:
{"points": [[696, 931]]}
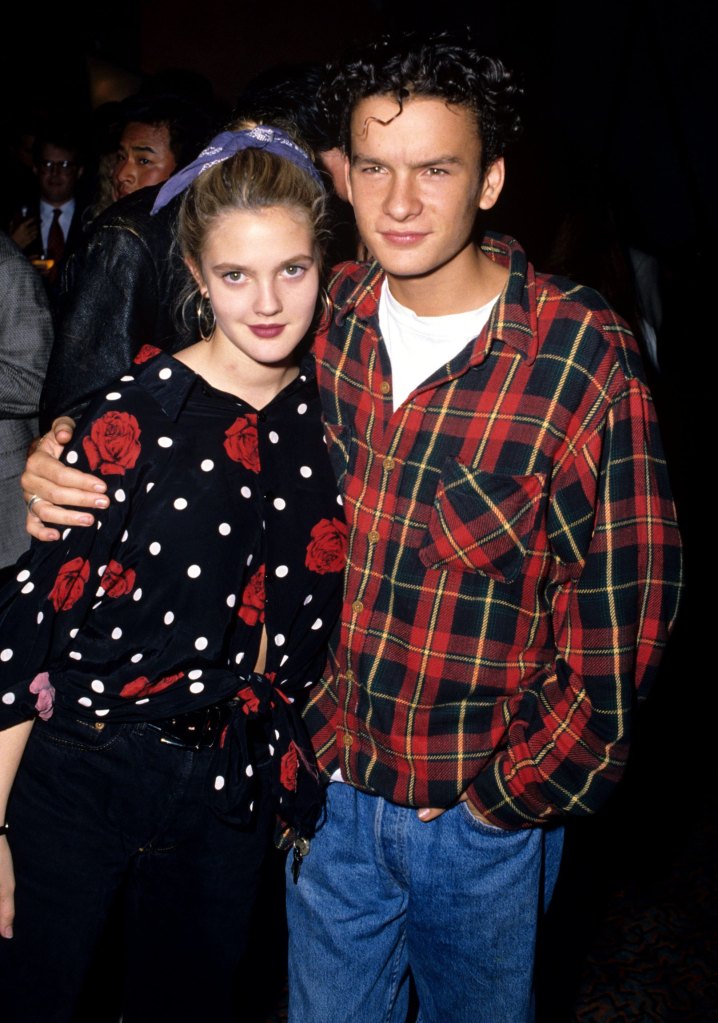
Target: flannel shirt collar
{"points": [[513, 320]]}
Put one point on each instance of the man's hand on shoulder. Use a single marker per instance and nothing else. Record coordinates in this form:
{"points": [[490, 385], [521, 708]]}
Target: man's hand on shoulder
{"points": [[53, 490]]}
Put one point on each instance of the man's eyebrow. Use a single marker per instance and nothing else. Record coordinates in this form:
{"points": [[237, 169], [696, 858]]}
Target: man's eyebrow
{"points": [[433, 162], [143, 149]]}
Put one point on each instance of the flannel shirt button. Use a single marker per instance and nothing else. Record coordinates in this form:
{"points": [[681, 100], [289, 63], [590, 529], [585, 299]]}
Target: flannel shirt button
{"points": [[389, 463], [348, 739], [357, 607], [373, 536], [385, 387]]}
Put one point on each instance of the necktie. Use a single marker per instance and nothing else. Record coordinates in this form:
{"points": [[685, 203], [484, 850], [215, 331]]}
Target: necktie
{"points": [[55, 237], [55, 245]]}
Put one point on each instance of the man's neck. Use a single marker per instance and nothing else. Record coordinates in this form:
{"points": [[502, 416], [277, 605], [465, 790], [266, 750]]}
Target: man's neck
{"points": [[467, 282]]}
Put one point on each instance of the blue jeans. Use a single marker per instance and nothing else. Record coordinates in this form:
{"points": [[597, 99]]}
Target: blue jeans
{"points": [[109, 820], [453, 902]]}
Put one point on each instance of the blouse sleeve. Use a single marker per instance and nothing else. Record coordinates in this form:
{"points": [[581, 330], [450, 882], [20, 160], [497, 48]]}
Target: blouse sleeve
{"points": [[56, 584]]}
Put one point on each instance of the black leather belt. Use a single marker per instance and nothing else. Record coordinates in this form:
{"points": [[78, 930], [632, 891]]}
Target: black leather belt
{"points": [[198, 729]]}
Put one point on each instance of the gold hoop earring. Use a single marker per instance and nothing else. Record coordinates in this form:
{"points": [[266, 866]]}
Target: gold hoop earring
{"points": [[206, 321], [324, 307]]}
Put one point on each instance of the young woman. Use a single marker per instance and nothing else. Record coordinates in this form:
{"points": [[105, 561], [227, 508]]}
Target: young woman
{"points": [[154, 664]]}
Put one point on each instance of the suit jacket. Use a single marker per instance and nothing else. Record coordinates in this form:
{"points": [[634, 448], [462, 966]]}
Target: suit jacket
{"points": [[73, 239], [25, 341]]}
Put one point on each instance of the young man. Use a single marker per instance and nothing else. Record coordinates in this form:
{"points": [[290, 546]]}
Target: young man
{"points": [[513, 565], [513, 568]]}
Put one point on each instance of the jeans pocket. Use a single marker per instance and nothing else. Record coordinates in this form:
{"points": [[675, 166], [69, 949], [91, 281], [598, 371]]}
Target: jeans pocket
{"points": [[479, 825], [69, 732]]}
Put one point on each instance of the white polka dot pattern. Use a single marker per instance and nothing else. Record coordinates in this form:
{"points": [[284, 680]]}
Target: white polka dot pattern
{"points": [[206, 542]]}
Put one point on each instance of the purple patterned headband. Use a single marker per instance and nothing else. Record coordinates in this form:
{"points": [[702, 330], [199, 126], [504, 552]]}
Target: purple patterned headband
{"points": [[226, 144]]}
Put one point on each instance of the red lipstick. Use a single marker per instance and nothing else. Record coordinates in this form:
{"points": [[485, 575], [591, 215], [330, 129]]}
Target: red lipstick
{"points": [[266, 330]]}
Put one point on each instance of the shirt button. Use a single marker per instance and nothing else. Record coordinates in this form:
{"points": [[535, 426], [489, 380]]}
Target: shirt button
{"points": [[373, 536], [357, 607], [348, 739], [385, 387], [389, 463], [349, 675]]}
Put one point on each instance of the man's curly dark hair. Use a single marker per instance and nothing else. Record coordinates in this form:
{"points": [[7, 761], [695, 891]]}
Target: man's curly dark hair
{"points": [[443, 65]]}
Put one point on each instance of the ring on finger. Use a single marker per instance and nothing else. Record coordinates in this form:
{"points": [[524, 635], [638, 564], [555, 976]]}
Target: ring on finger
{"points": [[31, 502]]}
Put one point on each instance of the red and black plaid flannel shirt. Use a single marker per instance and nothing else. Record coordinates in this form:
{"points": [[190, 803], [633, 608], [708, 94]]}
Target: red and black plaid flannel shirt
{"points": [[514, 561]]}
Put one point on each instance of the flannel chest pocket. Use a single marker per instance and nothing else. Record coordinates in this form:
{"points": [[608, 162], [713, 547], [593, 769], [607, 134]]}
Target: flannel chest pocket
{"points": [[482, 521]]}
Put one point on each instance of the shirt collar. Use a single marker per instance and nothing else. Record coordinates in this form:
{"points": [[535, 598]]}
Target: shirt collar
{"points": [[169, 382], [513, 320], [67, 208]]}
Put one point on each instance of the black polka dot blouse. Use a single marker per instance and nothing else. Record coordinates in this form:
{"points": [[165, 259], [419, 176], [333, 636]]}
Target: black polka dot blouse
{"points": [[223, 520]]}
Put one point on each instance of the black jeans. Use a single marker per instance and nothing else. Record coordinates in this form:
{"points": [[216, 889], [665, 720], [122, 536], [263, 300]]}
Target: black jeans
{"points": [[106, 812]]}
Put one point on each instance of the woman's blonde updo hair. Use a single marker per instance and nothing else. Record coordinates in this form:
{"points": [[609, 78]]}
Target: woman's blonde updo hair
{"points": [[251, 180]]}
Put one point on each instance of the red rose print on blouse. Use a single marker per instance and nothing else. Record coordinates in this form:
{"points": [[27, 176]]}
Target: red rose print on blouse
{"points": [[241, 444], [327, 550], [146, 353], [113, 444], [288, 768], [252, 609], [142, 686], [250, 700], [116, 580], [70, 583]]}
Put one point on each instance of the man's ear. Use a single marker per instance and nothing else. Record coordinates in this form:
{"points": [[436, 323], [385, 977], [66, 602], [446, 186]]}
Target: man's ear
{"points": [[347, 179], [492, 184]]}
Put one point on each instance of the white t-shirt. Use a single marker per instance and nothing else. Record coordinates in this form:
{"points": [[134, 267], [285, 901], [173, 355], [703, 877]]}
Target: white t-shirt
{"points": [[419, 345]]}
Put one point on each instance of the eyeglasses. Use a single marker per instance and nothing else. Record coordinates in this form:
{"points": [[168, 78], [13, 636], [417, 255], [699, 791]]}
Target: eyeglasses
{"points": [[50, 165]]}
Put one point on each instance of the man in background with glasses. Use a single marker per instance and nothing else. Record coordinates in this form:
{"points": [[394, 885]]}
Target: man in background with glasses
{"points": [[48, 230]]}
